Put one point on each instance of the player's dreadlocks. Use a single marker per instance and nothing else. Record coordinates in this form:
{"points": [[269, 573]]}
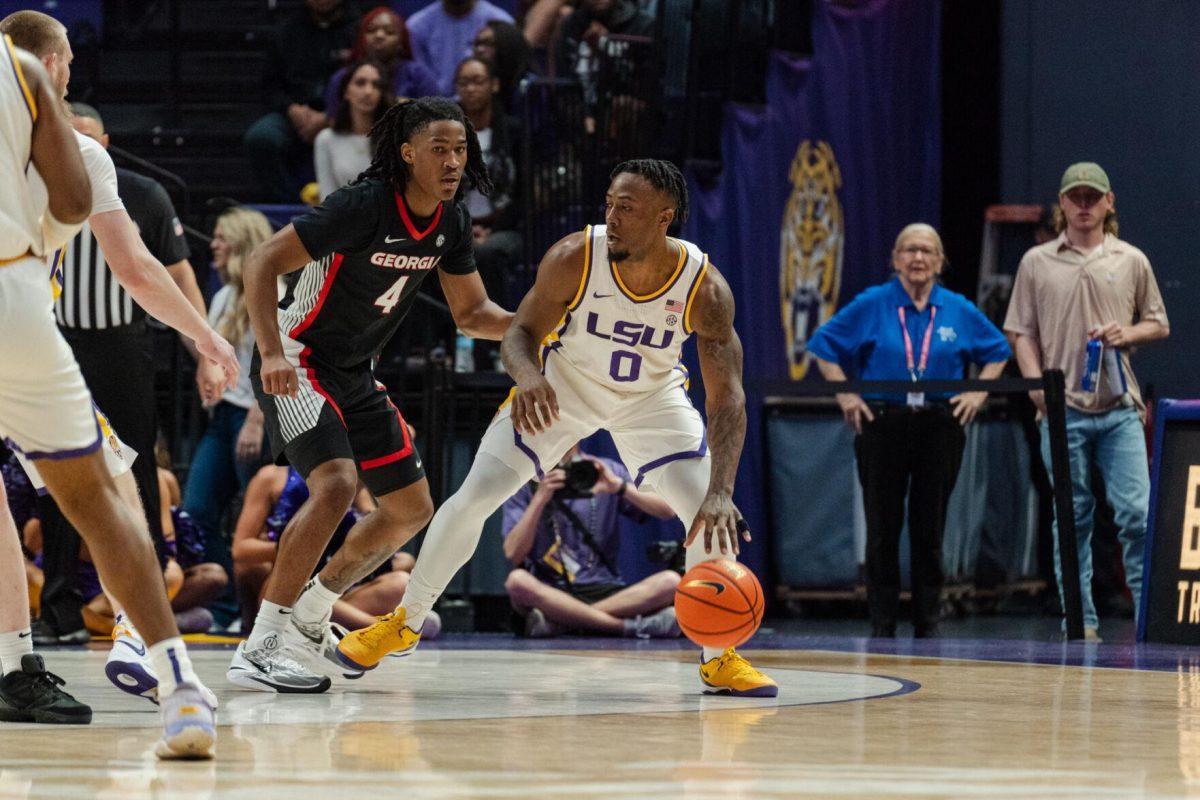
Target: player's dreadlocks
{"points": [[409, 117], [662, 175]]}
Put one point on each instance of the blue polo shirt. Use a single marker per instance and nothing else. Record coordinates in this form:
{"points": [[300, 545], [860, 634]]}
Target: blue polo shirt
{"points": [[866, 340]]}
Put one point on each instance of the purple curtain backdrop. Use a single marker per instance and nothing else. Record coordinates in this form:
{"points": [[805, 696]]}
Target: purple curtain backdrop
{"points": [[799, 229]]}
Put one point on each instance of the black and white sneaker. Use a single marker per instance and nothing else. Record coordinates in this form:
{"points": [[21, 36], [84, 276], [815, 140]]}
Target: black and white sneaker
{"points": [[315, 648], [32, 694], [274, 670]]}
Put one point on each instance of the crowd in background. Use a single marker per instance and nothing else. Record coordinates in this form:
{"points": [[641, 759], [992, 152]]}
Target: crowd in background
{"points": [[334, 71]]}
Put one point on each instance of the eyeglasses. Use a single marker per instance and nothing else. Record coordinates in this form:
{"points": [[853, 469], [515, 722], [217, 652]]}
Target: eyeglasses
{"points": [[912, 250], [465, 83]]}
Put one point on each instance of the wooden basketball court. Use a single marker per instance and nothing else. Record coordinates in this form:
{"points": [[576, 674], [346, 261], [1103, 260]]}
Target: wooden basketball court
{"points": [[628, 721]]}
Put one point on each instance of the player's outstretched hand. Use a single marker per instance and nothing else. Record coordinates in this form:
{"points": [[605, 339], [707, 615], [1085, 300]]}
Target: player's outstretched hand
{"points": [[718, 517], [278, 376], [535, 406], [214, 347]]}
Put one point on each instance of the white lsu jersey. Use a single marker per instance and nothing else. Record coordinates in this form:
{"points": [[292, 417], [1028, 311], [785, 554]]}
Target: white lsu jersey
{"points": [[20, 214], [628, 342]]}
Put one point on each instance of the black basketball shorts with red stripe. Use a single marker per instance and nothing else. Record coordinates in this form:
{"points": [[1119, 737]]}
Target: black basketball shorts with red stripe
{"points": [[339, 413]]}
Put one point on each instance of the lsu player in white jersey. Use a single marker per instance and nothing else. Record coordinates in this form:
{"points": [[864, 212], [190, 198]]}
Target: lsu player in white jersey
{"points": [[46, 413], [596, 344], [32, 130]]}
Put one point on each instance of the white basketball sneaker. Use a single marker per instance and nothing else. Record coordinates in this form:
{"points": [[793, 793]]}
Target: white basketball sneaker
{"points": [[128, 666], [189, 724], [274, 666]]}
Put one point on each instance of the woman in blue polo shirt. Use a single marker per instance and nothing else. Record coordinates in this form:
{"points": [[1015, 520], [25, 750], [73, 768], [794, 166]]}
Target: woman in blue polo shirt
{"points": [[910, 328]]}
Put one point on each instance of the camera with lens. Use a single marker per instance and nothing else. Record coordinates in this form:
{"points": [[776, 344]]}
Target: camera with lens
{"points": [[582, 475], [669, 553]]}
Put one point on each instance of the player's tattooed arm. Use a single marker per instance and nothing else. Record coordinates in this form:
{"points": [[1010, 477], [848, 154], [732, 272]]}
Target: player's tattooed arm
{"points": [[720, 352], [535, 405]]}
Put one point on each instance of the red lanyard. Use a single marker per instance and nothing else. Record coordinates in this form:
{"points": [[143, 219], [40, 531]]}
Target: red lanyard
{"points": [[919, 370]]}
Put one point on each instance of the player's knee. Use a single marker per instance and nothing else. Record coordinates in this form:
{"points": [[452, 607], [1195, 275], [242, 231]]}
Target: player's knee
{"points": [[333, 486], [407, 516]]}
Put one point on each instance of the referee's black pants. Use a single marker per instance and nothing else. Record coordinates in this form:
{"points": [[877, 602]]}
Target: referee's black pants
{"points": [[913, 453], [118, 366]]}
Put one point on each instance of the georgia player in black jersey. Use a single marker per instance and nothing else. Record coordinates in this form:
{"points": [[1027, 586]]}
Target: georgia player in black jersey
{"points": [[363, 253]]}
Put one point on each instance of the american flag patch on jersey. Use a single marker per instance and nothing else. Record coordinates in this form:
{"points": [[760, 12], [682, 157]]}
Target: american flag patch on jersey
{"points": [[675, 305]]}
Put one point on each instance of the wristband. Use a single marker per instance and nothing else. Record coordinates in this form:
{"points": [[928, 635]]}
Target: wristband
{"points": [[621, 491]]}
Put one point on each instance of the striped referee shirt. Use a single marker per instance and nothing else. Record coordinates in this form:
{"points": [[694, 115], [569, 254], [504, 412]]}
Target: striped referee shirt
{"points": [[91, 298]]}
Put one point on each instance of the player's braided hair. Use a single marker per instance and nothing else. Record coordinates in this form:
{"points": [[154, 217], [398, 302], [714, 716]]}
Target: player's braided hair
{"points": [[409, 117], [662, 175]]}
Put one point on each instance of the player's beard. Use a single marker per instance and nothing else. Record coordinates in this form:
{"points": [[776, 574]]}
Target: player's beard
{"points": [[618, 255]]}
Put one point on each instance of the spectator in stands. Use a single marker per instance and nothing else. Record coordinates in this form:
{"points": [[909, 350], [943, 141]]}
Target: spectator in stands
{"points": [[443, 33], [304, 52], [584, 32], [1084, 287], [383, 39], [908, 445], [343, 150], [540, 22], [501, 44], [230, 450], [563, 539], [272, 499], [202, 581], [495, 217]]}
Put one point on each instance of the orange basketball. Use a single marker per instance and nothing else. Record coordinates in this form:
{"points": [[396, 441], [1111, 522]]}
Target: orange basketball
{"points": [[719, 604]]}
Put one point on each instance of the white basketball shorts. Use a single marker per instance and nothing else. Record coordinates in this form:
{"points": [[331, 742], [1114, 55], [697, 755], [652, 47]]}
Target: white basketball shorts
{"points": [[46, 410], [650, 429]]}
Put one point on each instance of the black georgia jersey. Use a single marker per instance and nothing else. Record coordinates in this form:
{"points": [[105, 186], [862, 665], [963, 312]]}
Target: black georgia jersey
{"points": [[369, 256]]}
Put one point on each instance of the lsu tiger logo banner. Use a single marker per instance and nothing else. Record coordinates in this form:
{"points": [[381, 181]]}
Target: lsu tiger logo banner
{"points": [[811, 245]]}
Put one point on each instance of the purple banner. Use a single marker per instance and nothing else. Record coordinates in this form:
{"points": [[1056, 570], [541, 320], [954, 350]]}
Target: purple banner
{"points": [[816, 185]]}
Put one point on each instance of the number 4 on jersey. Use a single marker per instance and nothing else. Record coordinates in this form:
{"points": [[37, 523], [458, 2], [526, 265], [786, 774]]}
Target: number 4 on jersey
{"points": [[387, 301]]}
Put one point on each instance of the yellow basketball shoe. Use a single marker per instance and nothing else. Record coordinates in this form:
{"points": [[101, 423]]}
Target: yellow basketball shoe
{"points": [[366, 647], [731, 674]]}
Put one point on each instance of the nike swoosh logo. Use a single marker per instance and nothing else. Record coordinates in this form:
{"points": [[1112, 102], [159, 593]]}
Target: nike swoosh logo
{"points": [[719, 587], [141, 651], [283, 611], [27, 634], [390, 240], [599, 296]]}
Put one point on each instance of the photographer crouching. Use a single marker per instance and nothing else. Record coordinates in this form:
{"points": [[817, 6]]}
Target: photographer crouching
{"points": [[562, 535]]}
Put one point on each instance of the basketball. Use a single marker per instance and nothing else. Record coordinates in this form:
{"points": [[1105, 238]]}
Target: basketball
{"points": [[719, 604]]}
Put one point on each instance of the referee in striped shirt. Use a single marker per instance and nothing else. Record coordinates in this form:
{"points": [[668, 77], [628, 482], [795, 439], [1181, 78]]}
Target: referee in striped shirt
{"points": [[108, 334]]}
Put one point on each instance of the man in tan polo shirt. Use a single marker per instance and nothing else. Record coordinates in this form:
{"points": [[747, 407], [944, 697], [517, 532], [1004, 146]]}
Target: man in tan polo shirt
{"points": [[1089, 285]]}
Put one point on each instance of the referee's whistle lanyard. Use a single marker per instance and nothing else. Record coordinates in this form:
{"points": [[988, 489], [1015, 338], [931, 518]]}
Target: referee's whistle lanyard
{"points": [[917, 370]]}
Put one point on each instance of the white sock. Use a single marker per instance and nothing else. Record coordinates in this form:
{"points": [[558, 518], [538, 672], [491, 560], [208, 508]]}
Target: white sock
{"points": [[454, 534], [13, 645], [315, 604], [172, 665], [271, 619]]}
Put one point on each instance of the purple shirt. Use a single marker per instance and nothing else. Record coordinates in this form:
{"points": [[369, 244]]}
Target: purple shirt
{"points": [[440, 41], [409, 79], [558, 547]]}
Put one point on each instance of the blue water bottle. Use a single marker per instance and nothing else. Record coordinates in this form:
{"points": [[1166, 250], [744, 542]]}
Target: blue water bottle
{"points": [[464, 353], [1093, 360]]}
